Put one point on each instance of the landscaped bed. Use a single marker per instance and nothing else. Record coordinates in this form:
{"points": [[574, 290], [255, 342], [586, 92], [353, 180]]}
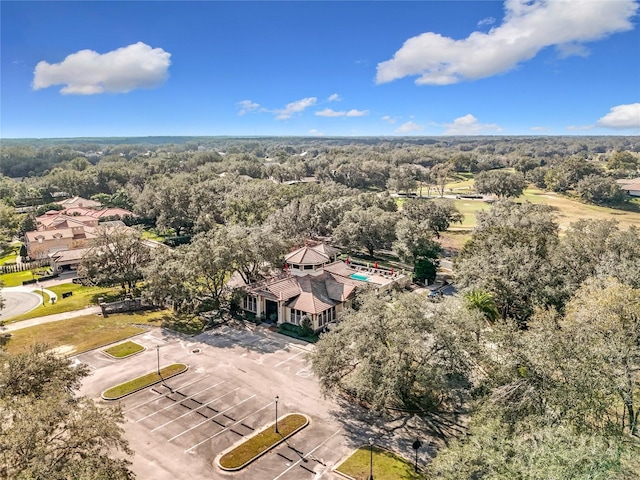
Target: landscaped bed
{"points": [[124, 350], [386, 466], [245, 453], [139, 383]]}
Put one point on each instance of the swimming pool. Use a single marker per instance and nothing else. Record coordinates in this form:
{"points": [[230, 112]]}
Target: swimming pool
{"points": [[360, 276]]}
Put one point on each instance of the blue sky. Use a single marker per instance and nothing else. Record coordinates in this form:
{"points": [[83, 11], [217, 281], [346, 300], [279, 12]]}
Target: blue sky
{"points": [[520, 67]]}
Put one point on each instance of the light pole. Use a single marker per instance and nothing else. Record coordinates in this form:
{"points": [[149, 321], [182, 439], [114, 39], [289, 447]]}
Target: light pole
{"points": [[42, 291], [416, 445], [277, 398], [371, 459], [158, 354]]}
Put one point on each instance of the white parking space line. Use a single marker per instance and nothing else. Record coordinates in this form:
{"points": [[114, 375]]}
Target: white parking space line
{"points": [[227, 428], [290, 358], [178, 403], [307, 455], [155, 399], [205, 421], [193, 411]]}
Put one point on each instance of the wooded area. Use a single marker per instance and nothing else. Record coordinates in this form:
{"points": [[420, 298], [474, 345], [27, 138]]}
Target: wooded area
{"points": [[536, 360]]}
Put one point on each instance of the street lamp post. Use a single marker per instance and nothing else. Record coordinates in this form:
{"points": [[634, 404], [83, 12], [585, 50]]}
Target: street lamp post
{"points": [[416, 445], [277, 398], [370, 458], [158, 355]]}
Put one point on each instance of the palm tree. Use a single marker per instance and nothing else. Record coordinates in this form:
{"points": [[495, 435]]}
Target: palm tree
{"points": [[484, 302]]}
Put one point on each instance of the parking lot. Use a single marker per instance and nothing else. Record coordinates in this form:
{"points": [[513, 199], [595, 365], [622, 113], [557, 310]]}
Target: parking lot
{"points": [[177, 429]]}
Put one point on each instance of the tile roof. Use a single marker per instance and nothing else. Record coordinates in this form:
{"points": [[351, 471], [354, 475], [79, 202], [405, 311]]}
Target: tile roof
{"points": [[306, 256], [69, 255], [325, 249]]}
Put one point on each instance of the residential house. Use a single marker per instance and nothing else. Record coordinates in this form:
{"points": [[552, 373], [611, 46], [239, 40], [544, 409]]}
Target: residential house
{"points": [[631, 186]]}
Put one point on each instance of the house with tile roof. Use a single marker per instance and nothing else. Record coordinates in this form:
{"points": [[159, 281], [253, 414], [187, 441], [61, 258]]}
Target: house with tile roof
{"points": [[315, 285], [630, 185]]}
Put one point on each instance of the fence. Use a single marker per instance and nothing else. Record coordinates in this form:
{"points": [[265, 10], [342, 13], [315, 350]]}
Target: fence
{"points": [[21, 267]]}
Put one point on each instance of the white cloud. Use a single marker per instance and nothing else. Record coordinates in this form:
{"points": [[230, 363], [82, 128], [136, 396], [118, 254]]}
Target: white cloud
{"points": [[486, 21], [469, 125], [528, 27], [247, 106], [327, 112], [580, 128], [409, 127], [295, 107], [314, 131], [87, 72], [334, 98], [622, 117], [539, 129], [390, 120]]}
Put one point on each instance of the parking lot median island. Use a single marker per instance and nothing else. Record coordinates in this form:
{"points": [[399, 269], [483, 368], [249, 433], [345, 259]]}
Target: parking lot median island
{"points": [[254, 447], [386, 466], [126, 388], [124, 350]]}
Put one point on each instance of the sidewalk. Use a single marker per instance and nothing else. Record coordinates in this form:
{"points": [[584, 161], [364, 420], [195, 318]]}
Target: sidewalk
{"points": [[49, 319]]}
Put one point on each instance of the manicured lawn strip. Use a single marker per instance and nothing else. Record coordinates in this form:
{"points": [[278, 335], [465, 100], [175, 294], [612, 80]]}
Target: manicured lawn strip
{"points": [[386, 466], [82, 297], [15, 279], [142, 382], [80, 334], [124, 350], [253, 447]]}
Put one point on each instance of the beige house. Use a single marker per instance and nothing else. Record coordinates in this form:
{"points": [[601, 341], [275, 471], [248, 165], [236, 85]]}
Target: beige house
{"points": [[42, 243], [316, 286]]}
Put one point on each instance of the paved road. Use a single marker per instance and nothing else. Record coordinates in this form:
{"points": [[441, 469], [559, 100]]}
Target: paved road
{"points": [[18, 302]]}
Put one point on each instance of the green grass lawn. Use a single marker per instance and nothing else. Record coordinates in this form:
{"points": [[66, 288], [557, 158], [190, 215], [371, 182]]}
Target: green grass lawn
{"points": [[124, 350], [147, 380], [263, 441], [10, 254], [82, 297], [153, 235], [386, 466], [76, 335], [16, 279]]}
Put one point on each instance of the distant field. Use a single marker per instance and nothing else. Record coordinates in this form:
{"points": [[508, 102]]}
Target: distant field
{"points": [[568, 211]]}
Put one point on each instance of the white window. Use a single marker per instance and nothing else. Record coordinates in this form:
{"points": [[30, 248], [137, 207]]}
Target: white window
{"points": [[296, 316], [250, 304]]}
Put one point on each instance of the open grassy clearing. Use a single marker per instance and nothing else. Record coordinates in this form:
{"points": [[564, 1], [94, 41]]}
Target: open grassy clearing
{"points": [[142, 382], [76, 335], [263, 441], [82, 297], [568, 210], [124, 350], [386, 466]]}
